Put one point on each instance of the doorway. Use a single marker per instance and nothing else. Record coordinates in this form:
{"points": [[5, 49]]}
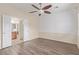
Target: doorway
{"points": [[14, 31], [17, 31]]}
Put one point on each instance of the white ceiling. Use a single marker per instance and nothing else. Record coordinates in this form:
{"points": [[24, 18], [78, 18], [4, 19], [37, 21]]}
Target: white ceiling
{"points": [[26, 7]]}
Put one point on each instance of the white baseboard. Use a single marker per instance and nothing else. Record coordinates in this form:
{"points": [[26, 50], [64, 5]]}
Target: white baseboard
{"points": [[63, 37]]}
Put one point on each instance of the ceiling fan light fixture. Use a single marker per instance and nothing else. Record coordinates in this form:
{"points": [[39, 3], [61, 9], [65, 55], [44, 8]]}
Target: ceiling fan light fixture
{"points": [[41, 11]]}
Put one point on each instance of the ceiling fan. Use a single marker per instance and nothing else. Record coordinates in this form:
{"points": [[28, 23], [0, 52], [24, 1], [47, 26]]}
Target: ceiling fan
{"points": [[42, 10]]}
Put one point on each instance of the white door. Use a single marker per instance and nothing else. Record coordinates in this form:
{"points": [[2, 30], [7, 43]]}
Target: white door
{"points": [[26, 30], [0, 31], [6, 41], [78, 33]]}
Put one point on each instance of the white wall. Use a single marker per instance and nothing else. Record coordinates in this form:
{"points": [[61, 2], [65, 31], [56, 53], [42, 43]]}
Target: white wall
{"points": [[33, 24], [21, 29], [78, 29], [0, 32], [61, 25]]}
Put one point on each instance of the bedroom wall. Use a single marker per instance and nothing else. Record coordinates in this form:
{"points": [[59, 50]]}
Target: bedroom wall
{"points": [[0, 32], [78, 29], [33, 24], [60, 26]]}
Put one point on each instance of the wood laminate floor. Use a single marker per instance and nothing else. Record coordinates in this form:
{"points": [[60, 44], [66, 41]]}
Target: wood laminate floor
{"points": [[41, 47]]}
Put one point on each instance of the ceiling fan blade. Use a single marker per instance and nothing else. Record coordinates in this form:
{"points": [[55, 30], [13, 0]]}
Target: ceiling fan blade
{"points": [[32, 11], [48, 12], [46, 7], [35, 7]]}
